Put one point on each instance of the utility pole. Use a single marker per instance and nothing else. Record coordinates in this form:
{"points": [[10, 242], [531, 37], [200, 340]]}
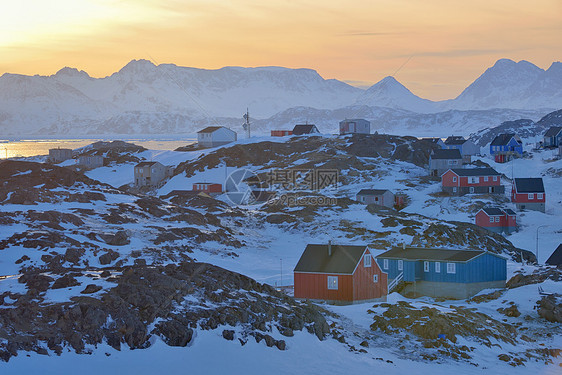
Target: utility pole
{"points": [[537, 247], [281, 260]]}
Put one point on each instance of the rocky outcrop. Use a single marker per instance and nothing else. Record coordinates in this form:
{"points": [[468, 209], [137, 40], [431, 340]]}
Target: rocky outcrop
{"points": [[180, 299]]}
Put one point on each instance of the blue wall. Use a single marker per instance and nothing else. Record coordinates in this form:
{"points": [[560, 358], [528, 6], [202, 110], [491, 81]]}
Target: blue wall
{"points": [[513, 145], [486, 267]]}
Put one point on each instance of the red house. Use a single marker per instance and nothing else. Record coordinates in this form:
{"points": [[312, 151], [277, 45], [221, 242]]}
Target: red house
{"points": [[281, 133], [469, 181], [208, 187], [339, 274], [528, 194], [497, 220]]}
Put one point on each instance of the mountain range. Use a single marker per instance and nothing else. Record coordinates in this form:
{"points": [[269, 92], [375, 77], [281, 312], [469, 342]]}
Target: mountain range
{"points": [[144, 98]]}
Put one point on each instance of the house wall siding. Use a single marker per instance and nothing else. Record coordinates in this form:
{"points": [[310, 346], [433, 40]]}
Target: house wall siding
{"points": [[315, 286], [363, 285]]}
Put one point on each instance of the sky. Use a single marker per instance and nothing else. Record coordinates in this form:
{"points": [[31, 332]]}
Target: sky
{"points": [[434, 47]]}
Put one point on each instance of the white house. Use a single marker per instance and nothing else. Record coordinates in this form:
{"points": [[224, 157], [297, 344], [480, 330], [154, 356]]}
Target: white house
{"points": [[355, 126], [213, 136], [93, 161]]}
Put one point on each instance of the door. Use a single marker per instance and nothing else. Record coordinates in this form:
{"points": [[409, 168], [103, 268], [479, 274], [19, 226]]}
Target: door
{"points": [[471, 189]]}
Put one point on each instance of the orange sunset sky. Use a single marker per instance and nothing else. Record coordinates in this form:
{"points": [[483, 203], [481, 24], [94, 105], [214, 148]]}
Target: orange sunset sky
{"points": [[444, 44]]}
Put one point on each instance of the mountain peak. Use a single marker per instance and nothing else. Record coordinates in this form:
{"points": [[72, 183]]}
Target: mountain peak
{"points": [[138, 66], [71, 72]]}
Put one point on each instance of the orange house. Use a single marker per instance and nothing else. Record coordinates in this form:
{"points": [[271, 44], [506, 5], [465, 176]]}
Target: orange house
{"points": [[339, 274]]}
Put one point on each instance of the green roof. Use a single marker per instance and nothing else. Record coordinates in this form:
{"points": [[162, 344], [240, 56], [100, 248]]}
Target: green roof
{"points": [[343, 260]]}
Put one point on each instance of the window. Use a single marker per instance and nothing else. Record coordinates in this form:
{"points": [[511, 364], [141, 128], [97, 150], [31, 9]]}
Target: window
{"points": [[491, 219], [400, 265], [437, 267], [455, 189], [474, 180], [531, 196], [375, 278], [362, 199], [497, 219], [333, 282], [540, 196], [471, 189], [385, 264], [451, 268], [367, 260], [426, 266], [153, 170], [486, 179], [454, 179], [451, 162], [495, 178], [141, 170]]}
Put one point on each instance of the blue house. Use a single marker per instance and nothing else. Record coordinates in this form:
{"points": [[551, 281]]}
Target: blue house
{"points": [[506, 147], [466, 147], [445, 273], [553, 137]]}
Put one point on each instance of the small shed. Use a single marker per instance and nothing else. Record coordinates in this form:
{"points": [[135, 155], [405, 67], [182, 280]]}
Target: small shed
{"points": [[441, 160], [57, 155], [355, 126], [305, 129], [339, 274], [497, 220], [281, 133], [555, 258], [382, 197], [208, 187], [150, 173], [90, 161], [528, 194], [213, 136], [444, 273], [553, 137]]}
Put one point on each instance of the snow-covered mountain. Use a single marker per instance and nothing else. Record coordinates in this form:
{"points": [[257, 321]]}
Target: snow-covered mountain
{"points": [[143, 97], [510, 84], [392, 94]]}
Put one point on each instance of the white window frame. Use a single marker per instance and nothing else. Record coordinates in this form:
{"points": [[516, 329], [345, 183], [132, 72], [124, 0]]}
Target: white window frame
{"points": [[454, 178], [426, 266], [400, 265], [332, 282], [471, 189], [474, 180], [485, 178], [491, 219], [385, 264], [437, 267], [454, 189], [530, 196], [495, 178], [540, 196], [451, 268], [375, 278], [497, 219], [367, 260]]}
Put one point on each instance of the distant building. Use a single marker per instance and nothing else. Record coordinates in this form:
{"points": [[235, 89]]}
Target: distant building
{"points": [[528, 194], [305, 129], [441, 160], [469, 181], [436, 141], [213, 136], [355, 126], [281, 133], [553, 137], [150, 173], [465, 146], [382, 197], [340, 274], [497, 220], [57, 155], [555, 258], [506, 147], [90, 162], [208, 188], [443, 273]]}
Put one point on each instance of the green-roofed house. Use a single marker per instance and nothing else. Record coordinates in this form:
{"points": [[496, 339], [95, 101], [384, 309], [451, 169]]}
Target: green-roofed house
{"points": [[443, 273], [339, 274]]}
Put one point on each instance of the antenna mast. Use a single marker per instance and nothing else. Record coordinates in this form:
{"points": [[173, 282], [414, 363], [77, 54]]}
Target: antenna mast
{"points": [[246, 125]]}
